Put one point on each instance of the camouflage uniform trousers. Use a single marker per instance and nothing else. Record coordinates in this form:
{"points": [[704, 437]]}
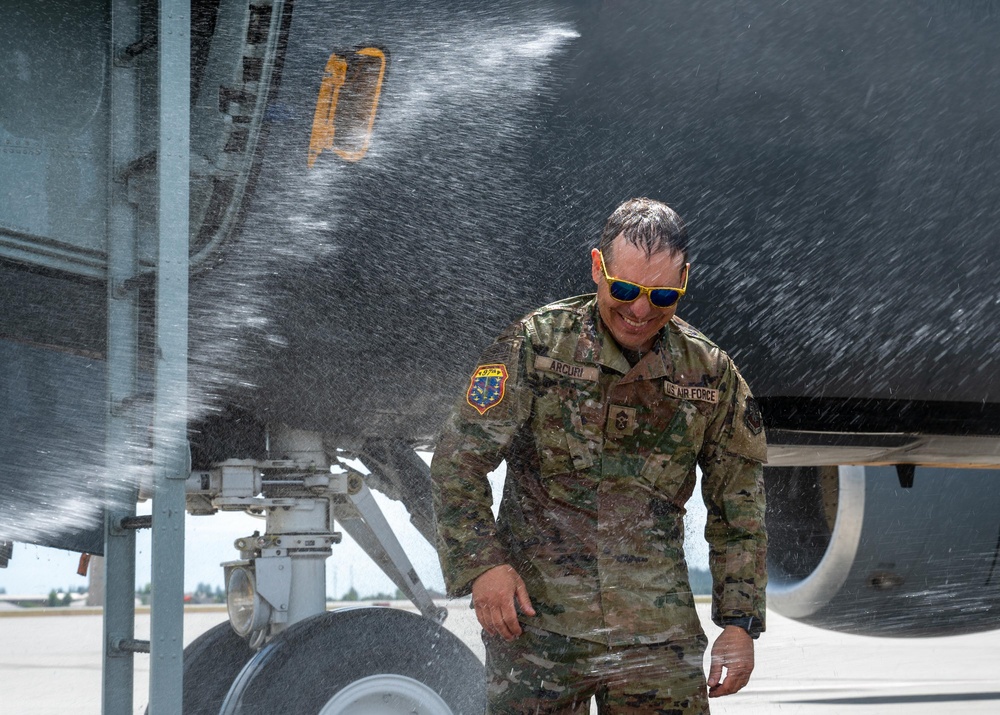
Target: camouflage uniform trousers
{"points": [[546, 673]]}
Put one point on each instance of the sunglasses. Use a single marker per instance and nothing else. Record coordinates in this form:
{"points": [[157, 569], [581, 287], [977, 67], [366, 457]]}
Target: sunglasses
{"points": [[626, 291]]}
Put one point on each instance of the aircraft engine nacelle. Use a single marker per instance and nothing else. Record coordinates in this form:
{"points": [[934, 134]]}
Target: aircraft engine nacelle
{"points": [[852, 550]]}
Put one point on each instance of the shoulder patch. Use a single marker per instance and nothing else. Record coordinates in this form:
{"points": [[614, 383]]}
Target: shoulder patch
{"points": [[487, 387], [576, 372], [752, 417]]}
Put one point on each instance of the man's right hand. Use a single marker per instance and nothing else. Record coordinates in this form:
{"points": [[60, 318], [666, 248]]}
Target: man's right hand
{"points": [[493, 595]]}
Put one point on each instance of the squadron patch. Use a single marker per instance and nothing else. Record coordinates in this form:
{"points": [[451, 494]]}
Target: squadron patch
{"points": [[752, 417], [486, 389]]}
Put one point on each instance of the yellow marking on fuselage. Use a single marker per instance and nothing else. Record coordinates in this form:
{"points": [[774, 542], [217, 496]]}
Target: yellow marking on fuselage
{"points": [[324, 127]]}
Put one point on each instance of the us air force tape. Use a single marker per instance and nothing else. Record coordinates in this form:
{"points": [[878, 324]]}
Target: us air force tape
{"points": [[691, 392]]}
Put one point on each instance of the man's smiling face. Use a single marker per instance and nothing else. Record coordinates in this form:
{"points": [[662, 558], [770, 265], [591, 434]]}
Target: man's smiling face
{"points": [[635, 325]]}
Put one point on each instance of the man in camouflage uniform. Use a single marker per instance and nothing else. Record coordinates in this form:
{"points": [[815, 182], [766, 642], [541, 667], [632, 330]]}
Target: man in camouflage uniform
{"points": [[602, 407]]}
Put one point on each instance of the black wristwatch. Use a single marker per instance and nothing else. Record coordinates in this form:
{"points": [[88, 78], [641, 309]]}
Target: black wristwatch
{"points": [[750, 624]]}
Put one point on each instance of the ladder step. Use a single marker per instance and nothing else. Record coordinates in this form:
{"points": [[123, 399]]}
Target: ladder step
{"points": [[137, 522], [131, 645], [130, 53]]}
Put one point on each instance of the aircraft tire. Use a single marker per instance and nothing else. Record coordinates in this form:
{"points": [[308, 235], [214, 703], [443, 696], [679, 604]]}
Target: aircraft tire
{"points": [[361, 660], [211, 663]]}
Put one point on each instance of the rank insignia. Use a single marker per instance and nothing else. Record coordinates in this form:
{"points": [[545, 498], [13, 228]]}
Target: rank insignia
{"points": [[752, 417], [621, 420], [486, 389]]}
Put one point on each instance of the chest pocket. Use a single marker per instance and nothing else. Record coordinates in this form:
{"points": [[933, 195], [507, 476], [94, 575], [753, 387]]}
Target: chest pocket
{"points": [[568, 424], [669, 467]]}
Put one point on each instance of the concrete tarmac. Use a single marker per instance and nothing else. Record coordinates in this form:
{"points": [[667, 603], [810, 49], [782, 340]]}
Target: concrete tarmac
{"points": [[51, 664]]}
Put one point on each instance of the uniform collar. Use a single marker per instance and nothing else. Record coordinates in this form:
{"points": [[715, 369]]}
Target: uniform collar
{"points": [[597, 346]]}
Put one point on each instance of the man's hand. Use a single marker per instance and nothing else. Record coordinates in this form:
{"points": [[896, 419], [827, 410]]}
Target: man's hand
{"points": [[493, 595], [734, 650]]}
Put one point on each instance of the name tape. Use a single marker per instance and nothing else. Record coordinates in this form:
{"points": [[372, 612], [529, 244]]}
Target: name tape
{"points": [[576, 372]]}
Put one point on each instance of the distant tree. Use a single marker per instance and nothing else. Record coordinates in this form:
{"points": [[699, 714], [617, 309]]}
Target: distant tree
{"points": [[205, 593], [351, 595], [3, 590], [380, 596], [145, 594], [59, 598]]}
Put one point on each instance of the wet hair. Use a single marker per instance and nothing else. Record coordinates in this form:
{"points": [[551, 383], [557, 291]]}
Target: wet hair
{"points": [[647, 224]]}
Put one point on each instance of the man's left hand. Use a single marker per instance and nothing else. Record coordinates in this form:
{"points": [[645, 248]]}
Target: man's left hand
{"points": [[733, 649]]}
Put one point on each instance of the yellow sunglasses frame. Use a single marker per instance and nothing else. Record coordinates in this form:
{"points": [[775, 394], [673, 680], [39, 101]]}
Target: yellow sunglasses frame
{"points": [[644, 290]]}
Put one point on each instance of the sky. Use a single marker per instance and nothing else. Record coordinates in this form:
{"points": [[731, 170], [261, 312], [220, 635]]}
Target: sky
{"points": [[209, 542]]}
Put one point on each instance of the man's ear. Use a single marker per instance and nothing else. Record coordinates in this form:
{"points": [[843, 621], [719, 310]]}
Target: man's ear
{"points": [[595, 266]]}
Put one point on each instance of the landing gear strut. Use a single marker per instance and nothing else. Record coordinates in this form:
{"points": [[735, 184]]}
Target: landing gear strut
{"points": [[281, 650]]}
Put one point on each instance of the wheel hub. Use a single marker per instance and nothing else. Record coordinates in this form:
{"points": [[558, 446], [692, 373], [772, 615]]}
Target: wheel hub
{"points": [[386, 694]]}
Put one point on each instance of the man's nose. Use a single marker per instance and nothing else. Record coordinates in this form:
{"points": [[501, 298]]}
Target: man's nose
{"points": [[642, 307]]}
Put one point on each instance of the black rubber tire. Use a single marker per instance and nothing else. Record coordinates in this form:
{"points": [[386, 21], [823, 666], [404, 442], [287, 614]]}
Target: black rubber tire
{"points": [[299, 672], [211, 663]]}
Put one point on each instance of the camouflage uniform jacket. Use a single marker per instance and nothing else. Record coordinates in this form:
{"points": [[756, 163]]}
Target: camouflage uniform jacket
{"points": [[601, 459]]}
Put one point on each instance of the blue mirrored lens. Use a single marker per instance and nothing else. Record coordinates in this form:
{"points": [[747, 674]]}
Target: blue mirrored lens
{"points": [[626, 292], [663, 298]]}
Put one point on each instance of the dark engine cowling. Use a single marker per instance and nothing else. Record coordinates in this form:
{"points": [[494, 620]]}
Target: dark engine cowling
{"points": [[852, 550]]}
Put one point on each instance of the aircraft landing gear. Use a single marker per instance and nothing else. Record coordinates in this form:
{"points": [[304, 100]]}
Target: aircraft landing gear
{"points": [[211, 663], [281, 651], [361, 661]]}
